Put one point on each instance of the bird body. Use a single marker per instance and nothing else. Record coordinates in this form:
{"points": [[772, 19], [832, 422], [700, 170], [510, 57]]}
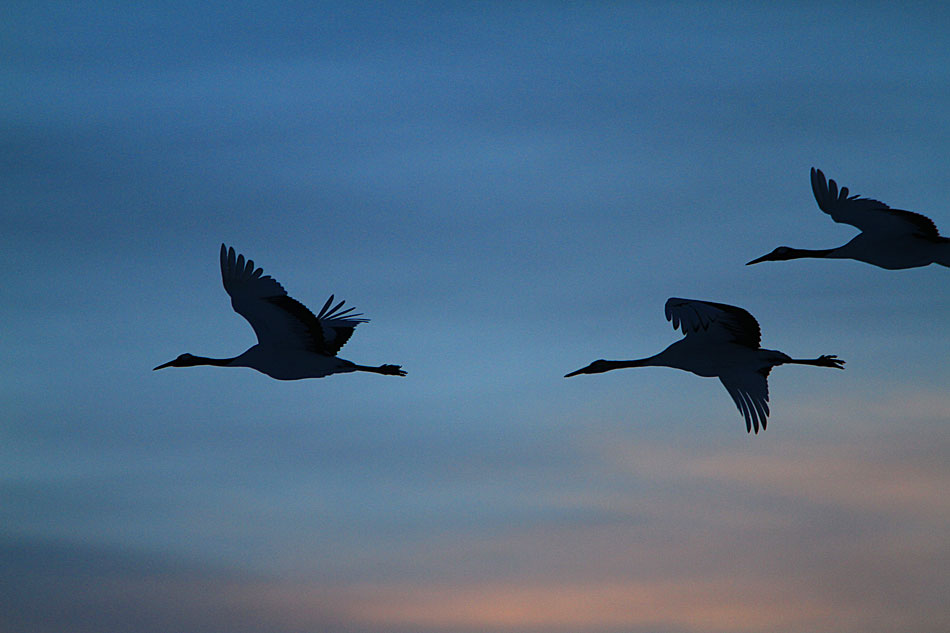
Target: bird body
{"points": [[720, 341], [895, 252], [715, 359], [893, 239], [293, 343], [291, 364]]}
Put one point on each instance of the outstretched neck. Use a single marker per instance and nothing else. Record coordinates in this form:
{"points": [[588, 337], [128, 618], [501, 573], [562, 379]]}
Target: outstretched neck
{"points": [[624, 364], [600, 366], [217, 362], [798, 253], [190, 360]]}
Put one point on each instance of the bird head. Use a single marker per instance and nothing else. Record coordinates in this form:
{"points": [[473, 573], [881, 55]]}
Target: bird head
{"points": [[779, 254], [185, 360], [597, 367]]}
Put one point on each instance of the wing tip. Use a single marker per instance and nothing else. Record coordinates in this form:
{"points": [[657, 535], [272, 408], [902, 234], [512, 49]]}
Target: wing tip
{"points": [[330, 312], [819, 186]]}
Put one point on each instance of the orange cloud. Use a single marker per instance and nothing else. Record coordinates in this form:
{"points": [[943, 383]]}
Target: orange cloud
{"points": [[699, 606], [783, 535]]}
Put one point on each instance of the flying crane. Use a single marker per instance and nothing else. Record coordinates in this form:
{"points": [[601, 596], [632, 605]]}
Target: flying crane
{"points": [[292, 343], [720, 341], [889, 238]]}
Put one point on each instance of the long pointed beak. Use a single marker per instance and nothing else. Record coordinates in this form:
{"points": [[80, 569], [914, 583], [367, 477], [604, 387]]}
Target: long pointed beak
{"points": [[168, 364], [574, 373], [757, 260]]}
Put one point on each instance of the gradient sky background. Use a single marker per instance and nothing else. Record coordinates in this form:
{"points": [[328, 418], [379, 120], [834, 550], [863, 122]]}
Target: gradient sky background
{"points": [[508, 192]]}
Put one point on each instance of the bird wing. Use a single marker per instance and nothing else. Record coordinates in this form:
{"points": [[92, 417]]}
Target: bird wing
{"points": [[713, 321], [278, 319], [864, 213], [750, 392]]}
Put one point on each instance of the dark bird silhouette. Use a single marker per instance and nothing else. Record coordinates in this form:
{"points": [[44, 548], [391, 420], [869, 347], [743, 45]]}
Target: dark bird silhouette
{"points": [[292, 343], [889, 238], [722, 341]]}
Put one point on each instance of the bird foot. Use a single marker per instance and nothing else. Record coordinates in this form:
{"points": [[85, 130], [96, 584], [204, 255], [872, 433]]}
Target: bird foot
{"points": [[830, 360]]}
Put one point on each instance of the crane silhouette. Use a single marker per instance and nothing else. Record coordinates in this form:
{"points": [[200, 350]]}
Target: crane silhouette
{"points": [[720, 341], [889, 238], [292, 343]]}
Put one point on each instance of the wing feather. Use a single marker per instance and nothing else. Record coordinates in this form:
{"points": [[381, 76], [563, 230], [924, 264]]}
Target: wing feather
{"points": [[866, 214], [279, 320], [717, 321], [750, 392]]}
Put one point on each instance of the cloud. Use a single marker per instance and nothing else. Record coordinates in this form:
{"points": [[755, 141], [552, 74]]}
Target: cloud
{"points": [[570, 606], [842, 534]]}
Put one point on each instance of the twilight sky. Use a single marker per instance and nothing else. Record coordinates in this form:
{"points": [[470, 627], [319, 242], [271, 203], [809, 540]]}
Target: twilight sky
{"points": [[508, 191]]}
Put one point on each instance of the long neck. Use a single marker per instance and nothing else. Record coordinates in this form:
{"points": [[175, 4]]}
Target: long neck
{"points": [[639, 362], [217, 362], [797, 253]]}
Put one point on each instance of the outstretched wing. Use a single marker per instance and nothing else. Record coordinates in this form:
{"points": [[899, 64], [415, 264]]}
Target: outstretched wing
{"points": [[713, 321], [866, 214], [277, 319], [750, 392]]}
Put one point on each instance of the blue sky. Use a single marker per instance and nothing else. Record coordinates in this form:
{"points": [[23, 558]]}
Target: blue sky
{"points": [[508, 193]]}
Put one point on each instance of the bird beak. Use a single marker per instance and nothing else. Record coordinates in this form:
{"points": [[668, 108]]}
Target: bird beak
{"points": [[757, 260], [574, 373], [168, 364]]}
